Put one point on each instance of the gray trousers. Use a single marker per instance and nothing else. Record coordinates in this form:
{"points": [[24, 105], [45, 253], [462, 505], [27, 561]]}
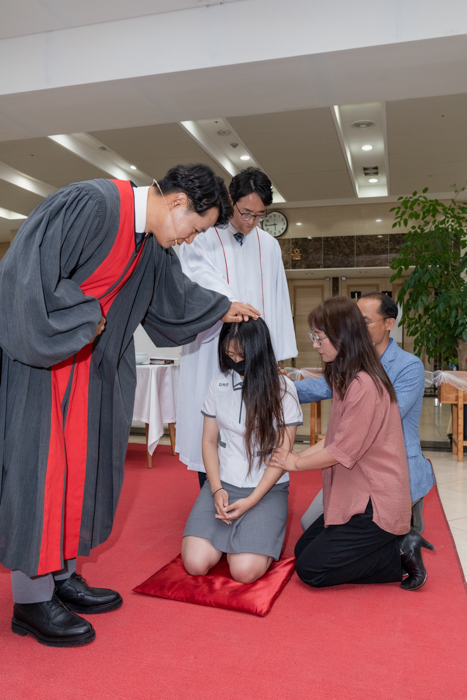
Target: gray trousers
{"points": [[316, 509], [38, 589]]}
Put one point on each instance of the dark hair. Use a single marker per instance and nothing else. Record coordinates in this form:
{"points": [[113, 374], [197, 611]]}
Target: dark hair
{"points": [[263, 387], [251, 181], [203, 188], [387, 307], [342, 322]]}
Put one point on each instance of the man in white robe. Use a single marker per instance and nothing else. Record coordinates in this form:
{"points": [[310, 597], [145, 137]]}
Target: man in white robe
{"points": [[244, 263]]}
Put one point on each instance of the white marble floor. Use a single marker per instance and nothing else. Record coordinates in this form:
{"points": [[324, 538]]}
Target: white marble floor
{"points": [[451, 478]]}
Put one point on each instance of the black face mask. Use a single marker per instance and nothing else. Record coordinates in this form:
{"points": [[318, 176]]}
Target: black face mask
{"points": [[238, 367]]}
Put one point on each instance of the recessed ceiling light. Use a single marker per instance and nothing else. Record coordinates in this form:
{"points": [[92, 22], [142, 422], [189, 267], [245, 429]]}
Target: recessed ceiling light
{"points": [[133, 167], [372, 179], [380, 235], [299, 223], [244, 157], [378, 221], [367, 147]]}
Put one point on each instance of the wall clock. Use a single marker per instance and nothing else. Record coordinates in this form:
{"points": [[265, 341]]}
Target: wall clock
{"points": [[275, 223]]}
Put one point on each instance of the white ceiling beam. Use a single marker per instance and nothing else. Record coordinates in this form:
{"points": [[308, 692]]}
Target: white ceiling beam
{"points": [[222, 143], [97, 154], [10, 215], [199, 135], [305, 27], [15, 177]]}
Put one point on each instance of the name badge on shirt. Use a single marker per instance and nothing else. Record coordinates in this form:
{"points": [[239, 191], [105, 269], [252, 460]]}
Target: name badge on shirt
{"points": [[223, 386]]}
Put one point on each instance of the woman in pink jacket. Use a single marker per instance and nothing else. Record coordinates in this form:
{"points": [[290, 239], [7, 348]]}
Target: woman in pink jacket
{"points": [[364, 535]]}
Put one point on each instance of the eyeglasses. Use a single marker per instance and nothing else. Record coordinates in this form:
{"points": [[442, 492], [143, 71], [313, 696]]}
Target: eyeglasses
{"points": [[369, 323], [315, 339], [248, 217]]}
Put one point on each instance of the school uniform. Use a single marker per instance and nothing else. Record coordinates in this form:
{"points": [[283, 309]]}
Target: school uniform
{"points": [[261, 529]]}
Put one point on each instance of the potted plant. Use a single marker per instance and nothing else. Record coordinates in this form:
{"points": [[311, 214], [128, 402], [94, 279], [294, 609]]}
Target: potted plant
{"points": [[434, 295]]}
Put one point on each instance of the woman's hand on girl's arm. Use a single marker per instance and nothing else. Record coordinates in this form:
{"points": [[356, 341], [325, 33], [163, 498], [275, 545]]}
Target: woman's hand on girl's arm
{"points": [[270, 477], [302, 461], [283, 459]]}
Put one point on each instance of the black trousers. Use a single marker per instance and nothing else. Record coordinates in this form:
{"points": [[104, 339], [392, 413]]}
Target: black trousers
{"points": [[357, 552], [202, 478]]}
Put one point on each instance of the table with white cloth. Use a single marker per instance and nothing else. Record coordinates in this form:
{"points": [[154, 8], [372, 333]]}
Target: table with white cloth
{"points": [[156, 402]]}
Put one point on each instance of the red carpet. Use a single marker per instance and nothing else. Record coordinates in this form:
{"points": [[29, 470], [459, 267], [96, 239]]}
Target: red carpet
{"points": [[345, 643]]}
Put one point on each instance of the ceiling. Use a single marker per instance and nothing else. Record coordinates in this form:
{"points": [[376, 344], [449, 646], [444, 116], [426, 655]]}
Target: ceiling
{"points": [[23, 17], [131, 89], [299, 149]]}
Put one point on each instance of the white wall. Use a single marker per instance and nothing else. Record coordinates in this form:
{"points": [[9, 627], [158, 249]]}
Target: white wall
{"points": [[143, 343]]}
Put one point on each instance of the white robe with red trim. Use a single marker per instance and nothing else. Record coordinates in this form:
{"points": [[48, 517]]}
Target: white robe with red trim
{"points": [[253, 273]]}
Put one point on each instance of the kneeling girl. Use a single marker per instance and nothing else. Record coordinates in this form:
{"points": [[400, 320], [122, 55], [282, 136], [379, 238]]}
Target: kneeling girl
{"points": [[249, 409]]}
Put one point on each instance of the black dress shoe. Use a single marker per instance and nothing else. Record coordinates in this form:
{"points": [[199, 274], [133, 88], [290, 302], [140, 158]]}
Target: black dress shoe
{"points": [[51, 623], [75, 593], [412, 562]]}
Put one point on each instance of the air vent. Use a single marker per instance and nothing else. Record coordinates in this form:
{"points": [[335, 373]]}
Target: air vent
{"points": [[373, 170], [363, 124]]}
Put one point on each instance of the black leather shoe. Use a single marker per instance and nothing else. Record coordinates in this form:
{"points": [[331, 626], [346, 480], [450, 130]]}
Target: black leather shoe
{"points": [[51, 623], [412, 562], [75, 593]]}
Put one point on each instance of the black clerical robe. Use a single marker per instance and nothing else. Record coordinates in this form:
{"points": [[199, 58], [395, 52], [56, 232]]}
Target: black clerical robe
{"points": [[66, 403]]}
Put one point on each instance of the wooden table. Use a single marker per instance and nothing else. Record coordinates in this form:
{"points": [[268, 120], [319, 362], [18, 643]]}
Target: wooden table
{"points": [[315, 408], [447, 393], [315, 422]]}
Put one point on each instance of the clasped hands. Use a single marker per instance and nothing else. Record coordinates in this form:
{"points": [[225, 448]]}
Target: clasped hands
{"points": [[226, 512]]}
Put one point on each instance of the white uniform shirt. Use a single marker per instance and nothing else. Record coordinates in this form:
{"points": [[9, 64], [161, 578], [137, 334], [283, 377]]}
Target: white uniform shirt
{"points": [[224, 403], [253, 273]]}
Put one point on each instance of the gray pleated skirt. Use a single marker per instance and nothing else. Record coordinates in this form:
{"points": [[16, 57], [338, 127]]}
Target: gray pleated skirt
{"points": [[261, 530]]}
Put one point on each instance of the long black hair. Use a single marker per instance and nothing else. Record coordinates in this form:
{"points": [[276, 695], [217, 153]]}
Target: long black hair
{"points": [[203, 188], [263, 387], [342, 322]]}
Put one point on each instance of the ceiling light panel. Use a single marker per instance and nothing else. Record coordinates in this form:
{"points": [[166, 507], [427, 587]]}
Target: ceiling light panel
{"points": [[365, 148], [98, 154], [11, 215], [218, 138]]}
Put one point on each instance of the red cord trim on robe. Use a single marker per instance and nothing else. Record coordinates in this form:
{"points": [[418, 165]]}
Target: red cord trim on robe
{"points": [[66, 466], [225, 259], [260, 264]]}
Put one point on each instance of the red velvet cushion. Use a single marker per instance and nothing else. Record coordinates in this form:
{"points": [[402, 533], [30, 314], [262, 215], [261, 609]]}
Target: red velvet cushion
{"points": [[218, 589]]}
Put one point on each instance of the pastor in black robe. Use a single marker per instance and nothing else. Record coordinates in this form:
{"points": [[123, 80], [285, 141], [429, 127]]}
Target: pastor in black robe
{"points": [[66, 403]]}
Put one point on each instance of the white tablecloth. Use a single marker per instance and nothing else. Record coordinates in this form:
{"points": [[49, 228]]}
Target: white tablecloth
{"points": [[156, 399]]}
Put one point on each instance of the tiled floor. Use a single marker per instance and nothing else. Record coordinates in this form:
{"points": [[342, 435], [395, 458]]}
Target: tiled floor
{"points": [[451, 475]]}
